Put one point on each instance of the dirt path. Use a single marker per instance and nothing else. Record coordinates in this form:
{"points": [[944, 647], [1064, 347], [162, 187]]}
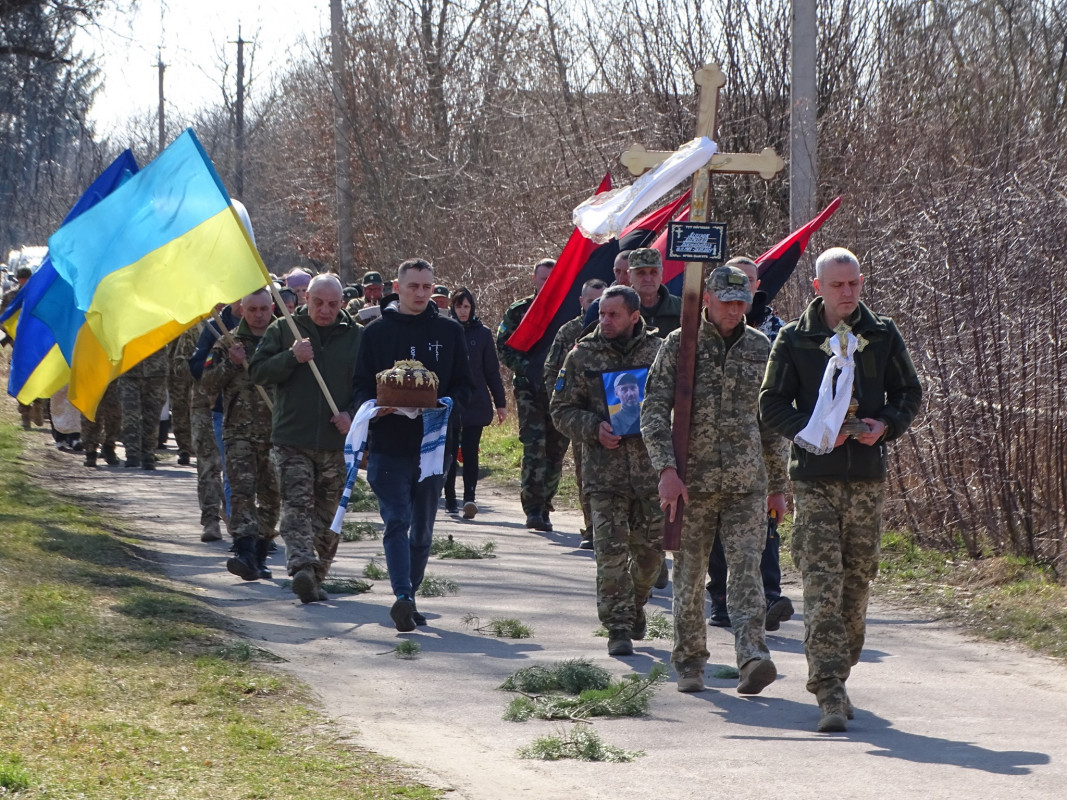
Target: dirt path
{"points": [[938, 715]]}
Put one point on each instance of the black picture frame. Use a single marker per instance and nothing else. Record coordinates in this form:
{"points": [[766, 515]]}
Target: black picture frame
{"points": [[619, 399]]}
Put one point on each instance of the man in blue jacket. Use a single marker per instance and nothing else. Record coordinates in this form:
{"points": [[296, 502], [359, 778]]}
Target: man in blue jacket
{"points": [[410, 328]]}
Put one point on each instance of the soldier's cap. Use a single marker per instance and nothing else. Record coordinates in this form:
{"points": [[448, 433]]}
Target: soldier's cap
{"points": [[351, 292], [729, 284], [372, 278], [624, 379], [440, 290], [645, 257]]}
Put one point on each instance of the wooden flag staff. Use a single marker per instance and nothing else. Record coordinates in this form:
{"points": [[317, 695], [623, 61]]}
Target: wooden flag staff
{"points": [[227, 338], [766, 164]]}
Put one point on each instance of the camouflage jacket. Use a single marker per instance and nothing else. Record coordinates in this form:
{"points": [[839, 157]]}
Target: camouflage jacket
{"points": [[180, 349], [566, 336], [579, 404], [729, 451], [528, 367], [154, 366], [245, 414]]}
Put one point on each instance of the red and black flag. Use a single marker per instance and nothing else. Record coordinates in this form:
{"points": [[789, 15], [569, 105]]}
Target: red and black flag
{"points": [[580, 261], [777, 264], [774, 267]]}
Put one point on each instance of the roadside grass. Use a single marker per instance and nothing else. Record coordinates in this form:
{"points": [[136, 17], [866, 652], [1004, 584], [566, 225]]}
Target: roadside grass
{"points": [[1002, 598], [500, 461], [117, 684]]}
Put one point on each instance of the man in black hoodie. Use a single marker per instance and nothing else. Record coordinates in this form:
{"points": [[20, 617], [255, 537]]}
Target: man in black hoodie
{"points": [[410, 328]]}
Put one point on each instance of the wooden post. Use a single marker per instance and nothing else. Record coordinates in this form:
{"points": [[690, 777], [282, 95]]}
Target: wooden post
{"points": [[766, 164]]}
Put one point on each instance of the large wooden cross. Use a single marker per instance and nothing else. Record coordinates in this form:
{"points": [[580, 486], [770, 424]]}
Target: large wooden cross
{"points": [[766, 164]]}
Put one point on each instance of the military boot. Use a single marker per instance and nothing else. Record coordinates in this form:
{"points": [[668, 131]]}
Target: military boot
{"points": [[212, 531], [243, 564], [90, 458], [261, 559], [108, 452], [833, 707]]}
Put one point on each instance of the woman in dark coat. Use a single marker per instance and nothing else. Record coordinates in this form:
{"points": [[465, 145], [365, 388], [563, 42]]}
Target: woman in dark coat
{"points": [[488, 393]]}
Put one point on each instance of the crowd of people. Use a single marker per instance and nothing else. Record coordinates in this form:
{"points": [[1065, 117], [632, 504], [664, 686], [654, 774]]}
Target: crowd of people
{"points": [[265, 393]]}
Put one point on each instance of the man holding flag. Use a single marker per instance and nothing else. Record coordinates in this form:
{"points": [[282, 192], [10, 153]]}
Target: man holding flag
{"points": [[308, 439]]}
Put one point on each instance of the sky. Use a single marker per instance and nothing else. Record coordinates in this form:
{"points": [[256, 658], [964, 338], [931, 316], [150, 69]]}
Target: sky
{"points": [[191, 36]]}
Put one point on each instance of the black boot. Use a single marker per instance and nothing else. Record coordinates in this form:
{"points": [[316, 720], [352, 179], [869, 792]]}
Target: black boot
{"points": [[262, 546], [243, 563], [108, 452], [90, 458], [164, 432]]}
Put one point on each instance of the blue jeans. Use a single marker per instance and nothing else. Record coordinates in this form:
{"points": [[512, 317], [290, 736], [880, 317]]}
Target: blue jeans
{"points": [[408, 508], [216, 424]]}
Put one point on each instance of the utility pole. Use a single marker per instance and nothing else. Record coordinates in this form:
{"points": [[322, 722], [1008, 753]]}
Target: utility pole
{"points": [[346, 268], [803, 140], [239, 128], [162, 135]]}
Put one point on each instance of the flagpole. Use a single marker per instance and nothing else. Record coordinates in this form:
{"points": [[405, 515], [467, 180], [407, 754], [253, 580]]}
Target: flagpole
{"points": [[296, 332], [228, 339]]}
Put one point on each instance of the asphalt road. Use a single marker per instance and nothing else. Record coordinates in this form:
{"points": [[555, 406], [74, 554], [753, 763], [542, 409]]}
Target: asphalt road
{"points": [[938, 714]]}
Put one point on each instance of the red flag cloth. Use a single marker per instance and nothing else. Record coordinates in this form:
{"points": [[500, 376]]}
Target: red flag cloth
{"points": [[777, 264], [557, 302], [575, 253]]}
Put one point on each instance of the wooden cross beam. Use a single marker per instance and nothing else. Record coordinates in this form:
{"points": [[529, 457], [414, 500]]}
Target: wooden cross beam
{"points": [[766, 164]]}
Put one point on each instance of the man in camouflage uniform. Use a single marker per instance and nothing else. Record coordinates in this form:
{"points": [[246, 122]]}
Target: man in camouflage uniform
{"points": [[565, 338], [779, 607], [143, 389], [308, 438], [618, 477], [103, 431], [838, 481], [209, 465], [246, 429], [660, 309], [543, 447], [179, 390], [730, 465]]}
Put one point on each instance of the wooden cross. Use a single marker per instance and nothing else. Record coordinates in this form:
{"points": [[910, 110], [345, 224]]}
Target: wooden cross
{"points": [[766, 164]]}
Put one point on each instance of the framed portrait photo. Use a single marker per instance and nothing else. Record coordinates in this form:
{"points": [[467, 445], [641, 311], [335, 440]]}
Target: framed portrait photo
{"points": [[624, 391]]}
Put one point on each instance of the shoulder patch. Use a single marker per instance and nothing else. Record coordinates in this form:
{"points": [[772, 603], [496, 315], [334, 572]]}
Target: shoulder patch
{"points": [[559, 380]]}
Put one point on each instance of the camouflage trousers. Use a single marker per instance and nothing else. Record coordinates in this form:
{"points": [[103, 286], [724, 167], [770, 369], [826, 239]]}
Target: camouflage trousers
{"points": [[178, 390], [836, 543], [628, 542], [208, 464], [740, 521], [311, 482], [32, 413], [254, 499], [142, 402], [108, 424], [583, 498], [543, 448]]}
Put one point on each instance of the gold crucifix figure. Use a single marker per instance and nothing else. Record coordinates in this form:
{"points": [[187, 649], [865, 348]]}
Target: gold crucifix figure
{"points": [[766, 164]]}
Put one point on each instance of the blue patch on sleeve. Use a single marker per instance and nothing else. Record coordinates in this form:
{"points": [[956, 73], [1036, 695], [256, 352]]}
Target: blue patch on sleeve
{"points": [[559, 380]]}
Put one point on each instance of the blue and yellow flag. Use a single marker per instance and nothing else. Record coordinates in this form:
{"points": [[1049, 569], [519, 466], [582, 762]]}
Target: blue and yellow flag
{"points": [[149, 261], [43, 319]]}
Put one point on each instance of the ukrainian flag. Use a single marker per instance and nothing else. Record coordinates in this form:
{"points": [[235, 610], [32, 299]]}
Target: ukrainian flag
{"points": [[149, 261], [44, 320]]}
